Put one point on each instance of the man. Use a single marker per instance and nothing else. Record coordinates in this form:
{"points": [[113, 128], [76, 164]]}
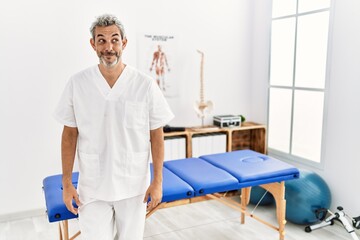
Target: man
{"points": [[159, 60], [113, 116]]}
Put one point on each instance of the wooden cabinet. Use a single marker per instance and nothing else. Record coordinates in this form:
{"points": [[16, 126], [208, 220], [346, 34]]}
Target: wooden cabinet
{"points": [[249, 136]]}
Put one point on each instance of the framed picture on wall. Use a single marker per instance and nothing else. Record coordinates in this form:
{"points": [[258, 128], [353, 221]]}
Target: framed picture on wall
{"points": [[157, 58]]}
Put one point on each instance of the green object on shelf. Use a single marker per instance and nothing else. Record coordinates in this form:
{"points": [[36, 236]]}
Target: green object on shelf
{"points": [[242, 118]]}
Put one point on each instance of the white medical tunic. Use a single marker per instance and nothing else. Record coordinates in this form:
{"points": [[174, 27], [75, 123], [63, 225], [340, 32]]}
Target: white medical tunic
{"points": [[114, 130]]}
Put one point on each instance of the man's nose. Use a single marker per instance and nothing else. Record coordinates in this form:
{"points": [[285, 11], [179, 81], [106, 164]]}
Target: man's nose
{"points": [[108, 46]]}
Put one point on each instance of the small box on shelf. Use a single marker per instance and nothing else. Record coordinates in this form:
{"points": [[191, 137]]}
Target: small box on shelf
{"points": [[227, 121]]}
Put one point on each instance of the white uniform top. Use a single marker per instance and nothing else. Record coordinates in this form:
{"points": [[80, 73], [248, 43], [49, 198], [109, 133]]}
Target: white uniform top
{"points": [[114, 130]]}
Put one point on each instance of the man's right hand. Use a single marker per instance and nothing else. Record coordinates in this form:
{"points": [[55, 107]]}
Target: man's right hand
{"points": [[70, 193]]}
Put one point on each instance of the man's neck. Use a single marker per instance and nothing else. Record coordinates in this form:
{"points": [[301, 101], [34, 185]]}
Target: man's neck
{"points": [[112, 74]]}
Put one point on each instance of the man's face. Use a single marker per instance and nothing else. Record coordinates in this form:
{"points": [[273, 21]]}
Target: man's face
{"points": [[108, 45]]}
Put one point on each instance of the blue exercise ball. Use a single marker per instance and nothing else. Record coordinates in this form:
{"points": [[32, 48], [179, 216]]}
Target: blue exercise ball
{"points": [[304, 195], [257, 193]]}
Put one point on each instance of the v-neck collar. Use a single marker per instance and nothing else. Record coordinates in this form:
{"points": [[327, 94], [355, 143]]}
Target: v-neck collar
{"points": [[104, 86]]}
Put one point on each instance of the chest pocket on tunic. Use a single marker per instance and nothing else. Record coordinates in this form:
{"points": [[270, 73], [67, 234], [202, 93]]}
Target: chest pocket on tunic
{"points": [[135, 114]]}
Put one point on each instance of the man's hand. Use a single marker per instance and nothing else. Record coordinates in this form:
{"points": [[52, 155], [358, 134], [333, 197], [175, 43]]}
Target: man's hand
{"points": [[157, 150], [70, 193], [155, 193]]}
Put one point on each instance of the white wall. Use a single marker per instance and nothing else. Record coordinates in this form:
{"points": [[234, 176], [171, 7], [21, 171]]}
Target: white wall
{"points": [[342, 160], [260, 59], [342, 131], [44, 42]]}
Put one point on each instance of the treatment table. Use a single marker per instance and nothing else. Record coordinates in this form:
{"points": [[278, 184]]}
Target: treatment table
{"points": [[207, 177]]}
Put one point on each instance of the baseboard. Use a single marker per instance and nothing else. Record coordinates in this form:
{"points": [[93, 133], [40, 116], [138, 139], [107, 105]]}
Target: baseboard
{"points": [[22, 215]]}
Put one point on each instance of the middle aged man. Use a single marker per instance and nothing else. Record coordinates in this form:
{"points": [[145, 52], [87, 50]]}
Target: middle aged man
{"points": [[113, 117]]}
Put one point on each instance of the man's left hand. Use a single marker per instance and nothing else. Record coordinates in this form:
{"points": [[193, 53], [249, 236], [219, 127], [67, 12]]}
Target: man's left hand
{"points": [[154, 192]]}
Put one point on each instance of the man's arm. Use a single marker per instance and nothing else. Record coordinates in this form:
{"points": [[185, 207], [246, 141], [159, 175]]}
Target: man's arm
{"points": [[157, 149], [68, 149]]}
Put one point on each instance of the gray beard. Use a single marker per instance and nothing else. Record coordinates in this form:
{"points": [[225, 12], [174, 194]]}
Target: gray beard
{"points": [[107, 64]]}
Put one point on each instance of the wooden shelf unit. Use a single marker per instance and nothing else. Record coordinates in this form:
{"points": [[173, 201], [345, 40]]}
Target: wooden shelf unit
{"points": [[249, 136]]}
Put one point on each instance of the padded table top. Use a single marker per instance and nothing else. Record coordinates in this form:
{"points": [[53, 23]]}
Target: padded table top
{"points": [[252, 168], [186, 178], [202, 176], [55, 206], [174, 188]]}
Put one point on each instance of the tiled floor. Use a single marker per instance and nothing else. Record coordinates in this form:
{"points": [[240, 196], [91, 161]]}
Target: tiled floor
{"points": [[208, 220]]}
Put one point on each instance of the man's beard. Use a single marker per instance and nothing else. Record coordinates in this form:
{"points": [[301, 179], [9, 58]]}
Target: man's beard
{"points": [[102, 59]]}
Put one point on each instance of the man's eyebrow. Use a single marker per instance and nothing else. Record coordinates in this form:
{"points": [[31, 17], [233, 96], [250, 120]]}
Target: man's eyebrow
{"points": [[114, 35]]}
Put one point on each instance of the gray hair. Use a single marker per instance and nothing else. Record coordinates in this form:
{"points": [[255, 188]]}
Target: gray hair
{"points": [[107, 20]]}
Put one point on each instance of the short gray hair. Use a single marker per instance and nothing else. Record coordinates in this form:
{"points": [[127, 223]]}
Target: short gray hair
{"points": [[107, 20]]}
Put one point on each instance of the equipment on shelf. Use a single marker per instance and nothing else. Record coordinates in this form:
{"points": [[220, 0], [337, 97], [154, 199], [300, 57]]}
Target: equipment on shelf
{"points": [[227, 121], [167, 128], [348, 222]]}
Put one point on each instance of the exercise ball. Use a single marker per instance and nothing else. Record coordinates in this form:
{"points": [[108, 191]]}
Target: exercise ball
{"points": [[257, 193], [304, 195]]}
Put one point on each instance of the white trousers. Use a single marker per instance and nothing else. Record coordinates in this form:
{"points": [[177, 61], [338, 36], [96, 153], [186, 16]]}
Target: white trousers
{"points": [[120, 220]]}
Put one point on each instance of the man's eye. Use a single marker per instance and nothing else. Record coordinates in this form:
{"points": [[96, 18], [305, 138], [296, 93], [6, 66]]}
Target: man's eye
{"points": [[101, 41], [115, 40]]}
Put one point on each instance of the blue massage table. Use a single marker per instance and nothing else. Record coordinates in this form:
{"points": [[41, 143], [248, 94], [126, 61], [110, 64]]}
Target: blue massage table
{"points": [[207, 177]]}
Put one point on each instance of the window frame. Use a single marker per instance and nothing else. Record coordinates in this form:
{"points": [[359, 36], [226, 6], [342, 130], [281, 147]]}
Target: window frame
{"points": [[289, 157]]}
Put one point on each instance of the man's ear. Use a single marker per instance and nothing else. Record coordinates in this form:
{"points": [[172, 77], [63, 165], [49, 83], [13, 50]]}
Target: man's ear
{"points": [[92, 43], [124, 42]]}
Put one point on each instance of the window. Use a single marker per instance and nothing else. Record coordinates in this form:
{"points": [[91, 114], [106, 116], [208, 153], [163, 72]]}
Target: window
{"points": [[297, 78]]}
